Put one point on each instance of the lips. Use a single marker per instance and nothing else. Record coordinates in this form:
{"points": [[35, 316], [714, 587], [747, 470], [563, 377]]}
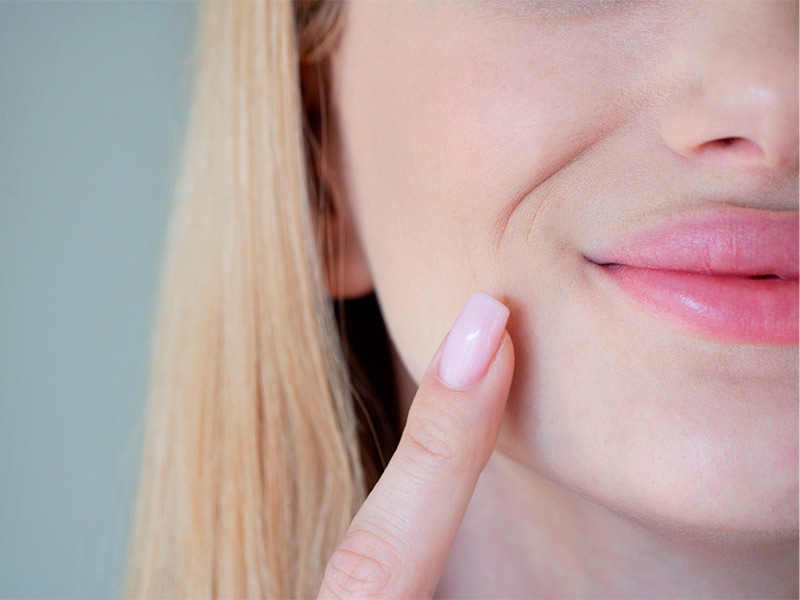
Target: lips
{"points": [[730, 275]]}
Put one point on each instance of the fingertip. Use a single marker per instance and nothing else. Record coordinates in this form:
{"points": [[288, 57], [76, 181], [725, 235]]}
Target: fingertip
{"points": [[473, 341], [505, 356]]}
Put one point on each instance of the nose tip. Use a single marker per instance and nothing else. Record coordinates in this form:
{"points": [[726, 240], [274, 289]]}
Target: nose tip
{"points": [[745, 126], [736, 103]]}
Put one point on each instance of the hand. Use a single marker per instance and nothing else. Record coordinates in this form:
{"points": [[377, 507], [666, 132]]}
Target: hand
{"points": [[399, 541]]}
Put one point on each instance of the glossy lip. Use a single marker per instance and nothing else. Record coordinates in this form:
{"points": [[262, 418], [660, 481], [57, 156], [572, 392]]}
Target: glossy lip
{"points": [[729, 275]]}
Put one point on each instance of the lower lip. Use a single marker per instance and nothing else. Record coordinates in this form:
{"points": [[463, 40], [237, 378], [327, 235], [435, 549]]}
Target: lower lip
{"points": [[724, 308]]}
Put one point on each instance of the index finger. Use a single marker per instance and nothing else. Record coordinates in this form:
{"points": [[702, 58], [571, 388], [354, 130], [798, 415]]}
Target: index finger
{"points": [[399, 540]]}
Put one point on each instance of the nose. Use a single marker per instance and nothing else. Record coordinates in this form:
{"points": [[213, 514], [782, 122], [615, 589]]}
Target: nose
{"points": [[737, 102]]}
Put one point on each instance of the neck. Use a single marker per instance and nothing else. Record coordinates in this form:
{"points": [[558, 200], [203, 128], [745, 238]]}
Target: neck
{"points": [[526, 537]]}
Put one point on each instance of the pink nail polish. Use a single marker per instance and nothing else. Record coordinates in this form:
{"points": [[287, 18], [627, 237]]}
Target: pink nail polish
{"points": [[473, 341]]}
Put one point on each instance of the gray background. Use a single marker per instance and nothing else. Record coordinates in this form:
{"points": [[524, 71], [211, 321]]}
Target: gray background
{"points": [[93, 99]]}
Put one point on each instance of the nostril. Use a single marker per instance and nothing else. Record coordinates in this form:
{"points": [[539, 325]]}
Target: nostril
{"points": [[740, 147]]}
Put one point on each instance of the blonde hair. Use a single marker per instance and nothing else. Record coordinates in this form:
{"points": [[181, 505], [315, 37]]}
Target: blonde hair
{"points": [[252, 466]]}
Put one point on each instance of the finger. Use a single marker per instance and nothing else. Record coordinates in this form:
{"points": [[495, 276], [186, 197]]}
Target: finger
{"points": [[399, 540]]}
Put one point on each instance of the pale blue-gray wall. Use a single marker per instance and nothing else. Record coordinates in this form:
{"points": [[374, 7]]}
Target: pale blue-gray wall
{"points": [[93, 100]]}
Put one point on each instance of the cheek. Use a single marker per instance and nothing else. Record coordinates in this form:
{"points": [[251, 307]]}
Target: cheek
{"points": [[444, 136]]}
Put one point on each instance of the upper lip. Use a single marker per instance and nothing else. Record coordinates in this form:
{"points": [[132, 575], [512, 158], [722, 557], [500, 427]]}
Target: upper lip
{"points": [[729, 242]]}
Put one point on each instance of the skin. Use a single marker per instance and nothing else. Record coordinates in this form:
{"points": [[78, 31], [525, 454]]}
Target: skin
{"points": [[489, 146]]}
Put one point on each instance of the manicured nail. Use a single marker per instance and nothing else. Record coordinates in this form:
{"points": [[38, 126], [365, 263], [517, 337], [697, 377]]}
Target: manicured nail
{"points": [[473, 341]]}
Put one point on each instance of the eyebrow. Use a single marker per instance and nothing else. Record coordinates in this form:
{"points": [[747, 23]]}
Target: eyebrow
{"points": [[554, 8]]}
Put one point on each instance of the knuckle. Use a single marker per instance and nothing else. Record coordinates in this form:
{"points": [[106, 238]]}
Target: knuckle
{"points": [[363, 566], [434, 437]]}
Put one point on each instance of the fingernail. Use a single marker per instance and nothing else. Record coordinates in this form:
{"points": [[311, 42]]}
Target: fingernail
{"points": [[473, 341]]}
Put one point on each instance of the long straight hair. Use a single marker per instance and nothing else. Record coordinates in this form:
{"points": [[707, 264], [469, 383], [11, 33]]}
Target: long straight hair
{"points": [[252, 466]]}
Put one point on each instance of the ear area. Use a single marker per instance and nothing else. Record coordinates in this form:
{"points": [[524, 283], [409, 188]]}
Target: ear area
{"points": [[346, 270]]}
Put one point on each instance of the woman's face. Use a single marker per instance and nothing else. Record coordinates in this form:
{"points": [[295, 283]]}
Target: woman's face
{"points": [[503, 146]]}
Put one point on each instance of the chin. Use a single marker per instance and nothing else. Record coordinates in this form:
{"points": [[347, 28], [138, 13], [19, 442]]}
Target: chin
{"points": [[650, 421], [731, 497], [672, 477]]}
